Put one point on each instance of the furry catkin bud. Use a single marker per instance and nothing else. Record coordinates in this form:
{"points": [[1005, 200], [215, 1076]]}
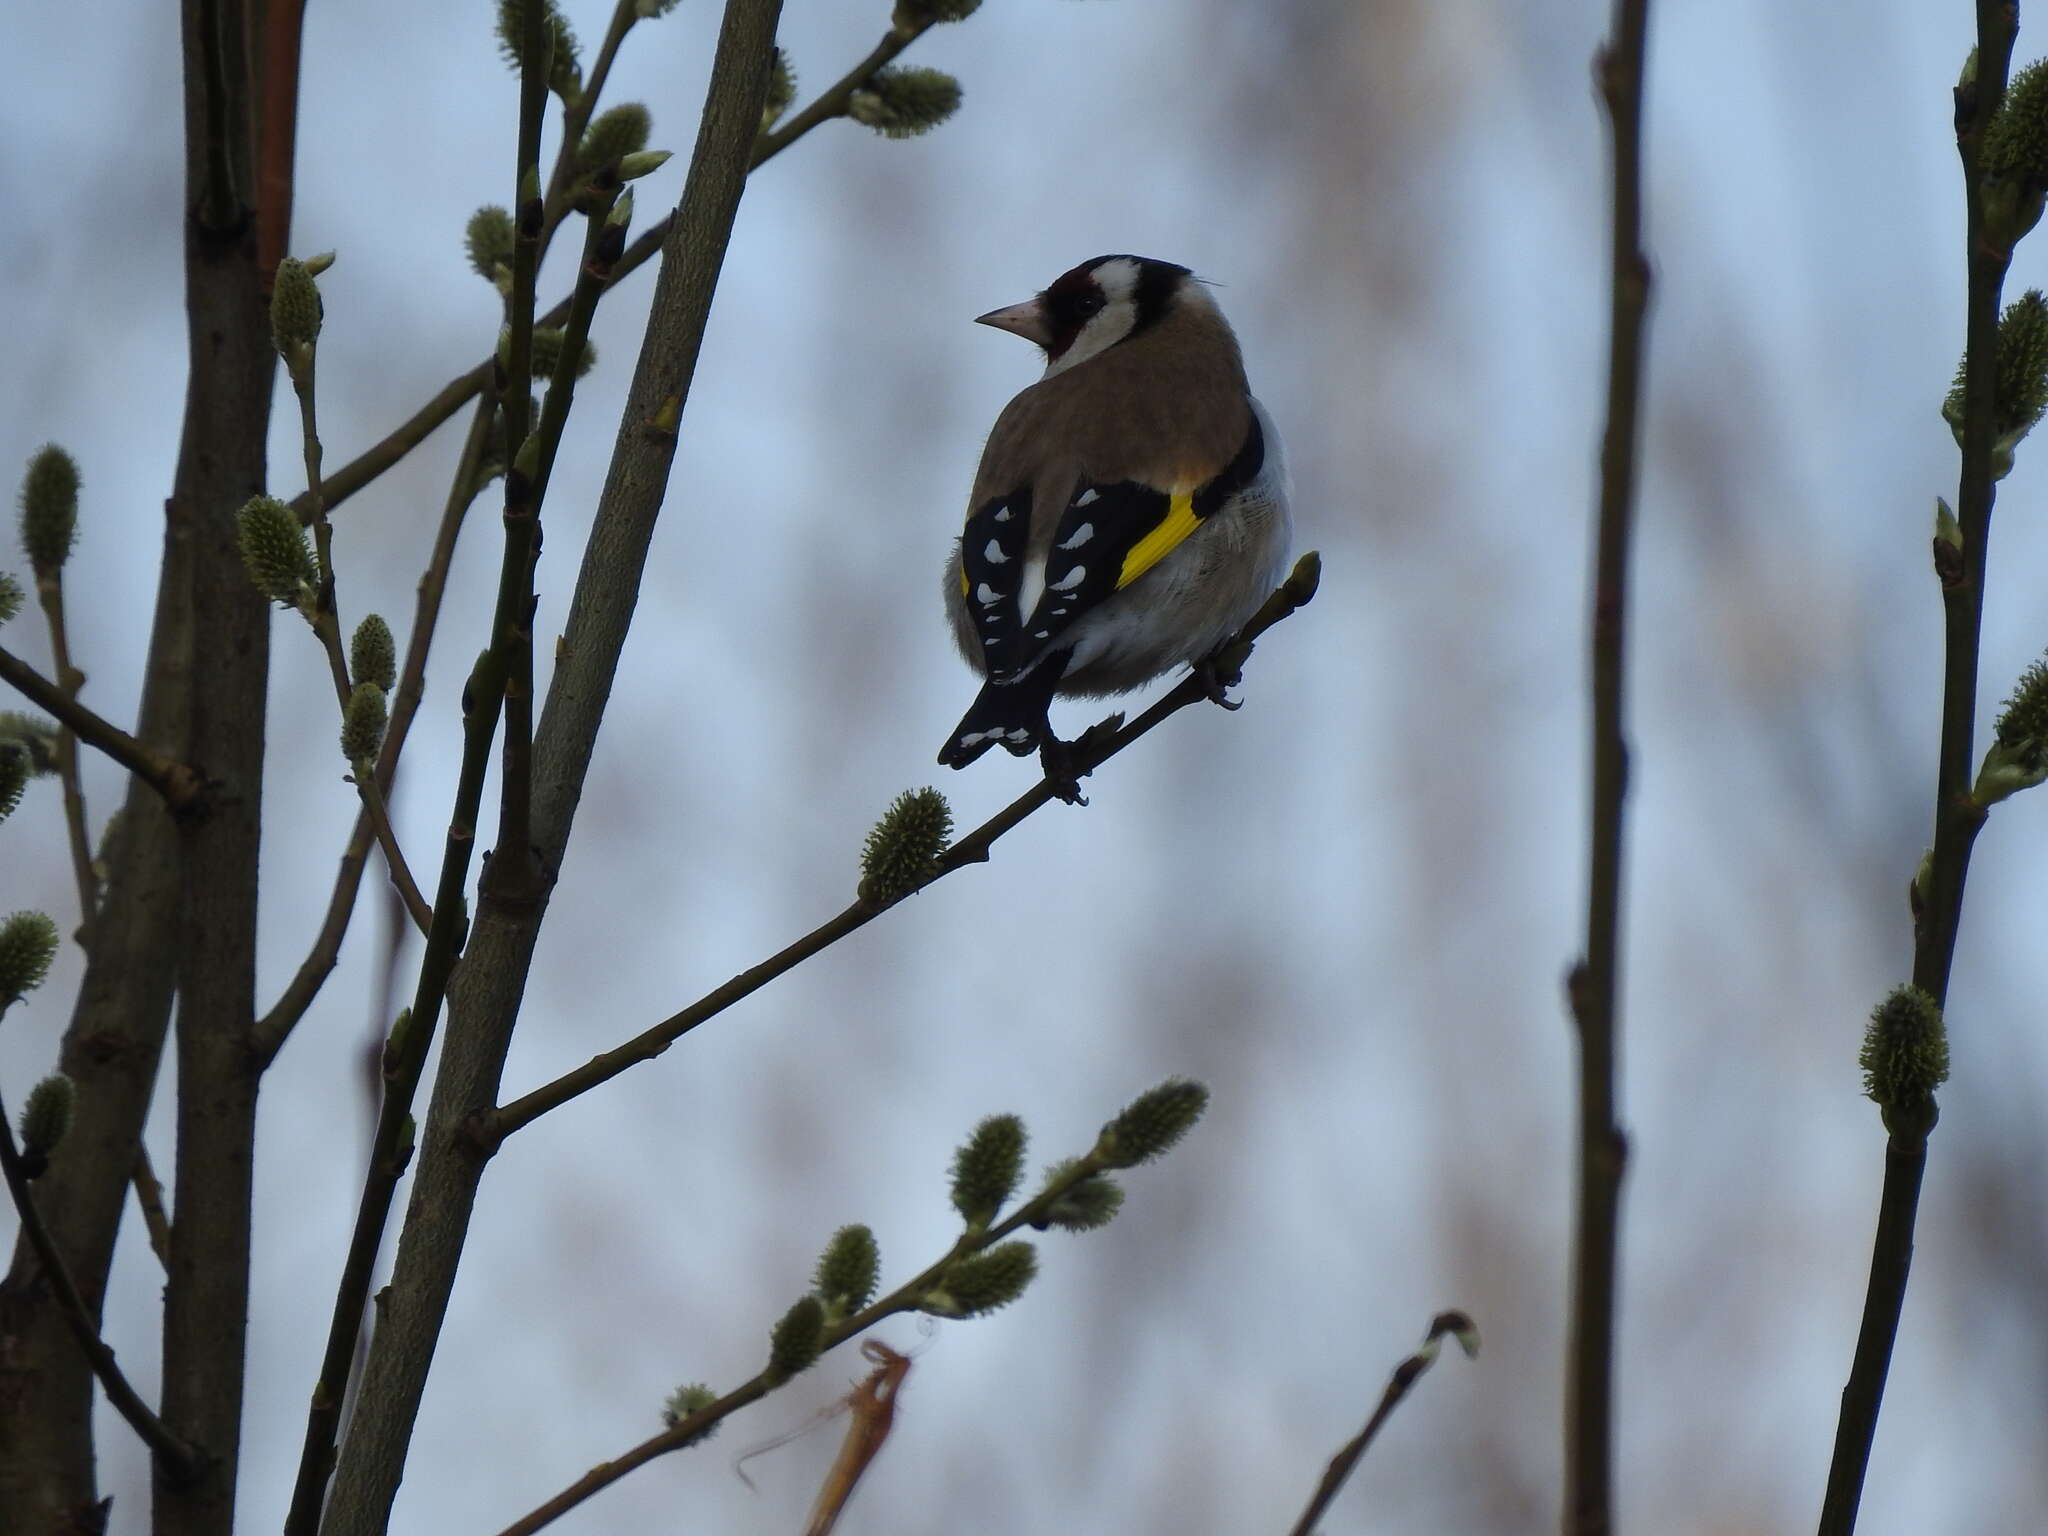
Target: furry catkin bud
{"points": [[794, 1342], [1152, 1123], [913, 16], [986, 1169], [614, 134], [902, 851], [982, 1282], [1089, 1204], [683, 1402], [547, 354], [373, 654], [645, 163], [362, 723], [14, 775], [1904, 1059], [49, 509], [274, 548], [488, 241], [781, 90], [35, 736], [2018, 756], [2013, 157], [295, 308], [28, 943], [47, 1116], [2021, 388], [847, 1271], [565, 69], [12, 596], [900, 103]]}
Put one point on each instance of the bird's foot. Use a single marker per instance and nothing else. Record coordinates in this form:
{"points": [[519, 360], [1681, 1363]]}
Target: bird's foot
{"points": [[1217, 674], [1062, 767]]}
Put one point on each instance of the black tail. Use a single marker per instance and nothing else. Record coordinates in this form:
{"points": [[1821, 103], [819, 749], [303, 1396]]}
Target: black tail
{"points": [[1010, 714]]}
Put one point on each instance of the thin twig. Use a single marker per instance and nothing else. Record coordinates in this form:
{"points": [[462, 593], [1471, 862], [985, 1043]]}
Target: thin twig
{"points": [[179, 1461], [907, 1297], [149, 1195], [1596, 978], [326, 622], [50, 590], [1406, 1374], [183, 789], [1095, 748], [1957, 818], [276, 1025]]}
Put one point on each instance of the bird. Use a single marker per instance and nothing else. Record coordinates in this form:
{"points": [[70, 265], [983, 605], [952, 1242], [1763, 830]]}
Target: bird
{"points": [[1129, 514]]}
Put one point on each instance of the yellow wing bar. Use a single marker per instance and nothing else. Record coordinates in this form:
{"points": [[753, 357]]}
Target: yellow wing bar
{"points": [[1162, 540]]}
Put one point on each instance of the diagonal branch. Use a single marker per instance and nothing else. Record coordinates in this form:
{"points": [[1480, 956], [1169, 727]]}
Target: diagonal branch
{"points": [[1095, 748], [182, 787], [178, 1460]]}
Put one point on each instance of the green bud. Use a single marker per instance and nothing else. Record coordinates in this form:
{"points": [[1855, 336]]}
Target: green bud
{"points": [[565, 70], [1152, 1123], [2013, 157], [646, 163], [902, 851], [28, 943], [982, 1282], [621, 216], [394, 1043], [315, 265], [781, 90], [2018, 755], [363, 722], [49, 509], [373, 654], [47, 1116], [1089, 1204], [795, 1341], [2022, 383], [295, 308], [275, 550], [12, 596], [14, 776], [547, 354], [847, 1271], [685, 1401], [1904, 1059], [488, 241], [614, 134], [902, 102], [35, 736], [986, 1169], [913, 16]]}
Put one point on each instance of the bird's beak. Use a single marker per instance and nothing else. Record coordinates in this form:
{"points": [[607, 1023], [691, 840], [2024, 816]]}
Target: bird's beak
{"points": [[1026, 320]]}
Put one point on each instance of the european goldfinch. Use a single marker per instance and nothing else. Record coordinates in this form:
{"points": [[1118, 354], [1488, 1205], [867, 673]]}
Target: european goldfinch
{"points": [[1130, 512]]}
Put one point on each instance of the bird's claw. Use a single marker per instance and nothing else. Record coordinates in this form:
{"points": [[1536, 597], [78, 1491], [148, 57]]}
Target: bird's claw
{"points": [[1061, 764], [1216, 679]]}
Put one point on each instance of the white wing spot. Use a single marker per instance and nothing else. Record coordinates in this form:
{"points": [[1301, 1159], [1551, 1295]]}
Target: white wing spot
{"points": [[1081, 535], [1071, 580], [994, 554], [1087, 496], [1002, 514], [987, 595]]}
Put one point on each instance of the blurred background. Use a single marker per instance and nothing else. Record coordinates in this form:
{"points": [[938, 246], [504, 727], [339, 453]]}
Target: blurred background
{"points": [[1347, 909]]}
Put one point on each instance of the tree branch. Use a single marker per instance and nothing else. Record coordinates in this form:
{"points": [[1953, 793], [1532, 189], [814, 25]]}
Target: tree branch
{"points": [[1596, 979], [1957, 818], [1095, 748], [182, 788], [177, 1460]]}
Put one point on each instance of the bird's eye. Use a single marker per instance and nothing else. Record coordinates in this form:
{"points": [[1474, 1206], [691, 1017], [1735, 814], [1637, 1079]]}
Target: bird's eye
{"points": [[1088, 305]]}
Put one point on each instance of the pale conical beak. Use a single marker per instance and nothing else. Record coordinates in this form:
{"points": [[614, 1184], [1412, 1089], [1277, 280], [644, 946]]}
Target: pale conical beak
{"points": [[1026, 320]]}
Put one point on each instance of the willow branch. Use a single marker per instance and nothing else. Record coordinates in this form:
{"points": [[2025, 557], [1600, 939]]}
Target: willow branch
{"points": [[178, 1460], [1095, 748], [1957, 818], [276, 1025], [1595, 979], [182, 788], [50, 591], [1406, 1374], [460, 390], [907, 1297]]}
